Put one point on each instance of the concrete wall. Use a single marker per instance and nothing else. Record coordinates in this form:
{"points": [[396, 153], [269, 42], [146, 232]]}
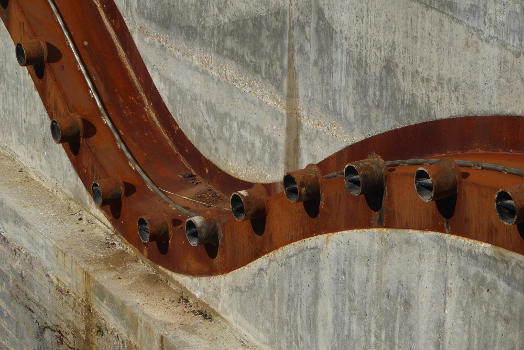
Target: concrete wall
{"points": [[376, 289], [68, 282], [290, 82]]}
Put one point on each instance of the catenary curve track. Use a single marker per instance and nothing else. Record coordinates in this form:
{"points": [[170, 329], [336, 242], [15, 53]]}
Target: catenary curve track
{"points": [[149, 179]]}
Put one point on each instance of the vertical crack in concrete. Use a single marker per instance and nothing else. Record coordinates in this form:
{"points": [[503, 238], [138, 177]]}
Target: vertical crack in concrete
{"points": [[292, 137]]}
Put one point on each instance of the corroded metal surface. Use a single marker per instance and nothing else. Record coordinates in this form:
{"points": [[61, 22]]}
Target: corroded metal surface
{"points": [[128, 142]]}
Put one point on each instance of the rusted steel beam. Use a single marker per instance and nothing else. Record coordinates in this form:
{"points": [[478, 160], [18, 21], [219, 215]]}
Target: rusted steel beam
{"points": [[166, 192]]}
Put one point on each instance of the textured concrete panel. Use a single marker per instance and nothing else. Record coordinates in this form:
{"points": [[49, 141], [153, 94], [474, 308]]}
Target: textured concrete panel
{"points": [[68, 282], [376, 288], [261, 87], [290, 82]]}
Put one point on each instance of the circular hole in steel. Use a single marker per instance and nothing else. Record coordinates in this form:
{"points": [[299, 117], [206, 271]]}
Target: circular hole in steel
{"points": [[506, 209], [237, 206], [291, 188], [192, 233], [20, 54], [424, 185], [96, 192], [352, 180], [143, 230], [56, 132]]}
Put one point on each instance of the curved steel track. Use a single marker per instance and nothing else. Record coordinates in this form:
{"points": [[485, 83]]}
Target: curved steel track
{"points": [[128, 145]]}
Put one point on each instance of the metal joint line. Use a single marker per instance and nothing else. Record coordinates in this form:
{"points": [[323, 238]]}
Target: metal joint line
{"points": [[460, 163], [150, 184]]}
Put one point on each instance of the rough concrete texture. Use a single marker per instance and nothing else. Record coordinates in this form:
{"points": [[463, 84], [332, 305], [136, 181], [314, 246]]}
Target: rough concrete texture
{"points": [[26, 134], [376, 289], [263, 87], [287, 83], [67, 281]]}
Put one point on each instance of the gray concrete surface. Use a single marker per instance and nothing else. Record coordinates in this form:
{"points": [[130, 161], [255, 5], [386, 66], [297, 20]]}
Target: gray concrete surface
{"points": [[376, 289], [290, 82], [68, 282]]}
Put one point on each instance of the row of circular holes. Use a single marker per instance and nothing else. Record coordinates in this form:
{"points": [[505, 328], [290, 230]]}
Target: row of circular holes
{"points": [[425, 186], [504, 202], [34, 53]]}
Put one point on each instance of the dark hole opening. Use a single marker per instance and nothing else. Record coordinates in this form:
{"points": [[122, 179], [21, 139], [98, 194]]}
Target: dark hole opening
{"points": [[56, 133], [424, 185], [143, 230], [20, 54], [506, 209], [96, 192], [192, 233], [352, 180], [237, 206], [291, 188]]}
